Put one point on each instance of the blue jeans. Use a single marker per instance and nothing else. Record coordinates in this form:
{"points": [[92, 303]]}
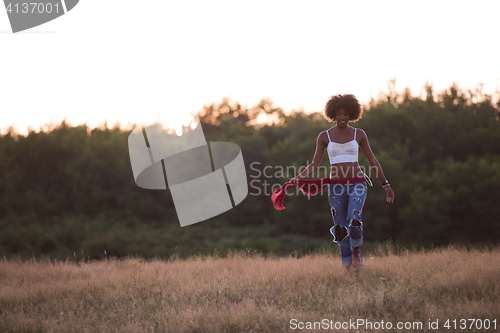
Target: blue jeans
{"points": [[346, 201]]}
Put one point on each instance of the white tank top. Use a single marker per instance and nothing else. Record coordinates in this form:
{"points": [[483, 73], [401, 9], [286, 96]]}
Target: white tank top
{"points": [[342, 152]]}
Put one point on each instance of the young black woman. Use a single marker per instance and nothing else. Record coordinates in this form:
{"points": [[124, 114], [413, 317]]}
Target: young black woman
{"points": [[342, 143]]}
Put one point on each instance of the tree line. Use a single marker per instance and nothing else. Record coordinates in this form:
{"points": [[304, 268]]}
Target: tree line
{"points": [[69, 191]]}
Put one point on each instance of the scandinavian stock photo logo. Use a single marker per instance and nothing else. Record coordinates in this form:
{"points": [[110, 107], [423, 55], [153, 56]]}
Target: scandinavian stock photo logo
{"points": [[25, 14], [205, 179]]}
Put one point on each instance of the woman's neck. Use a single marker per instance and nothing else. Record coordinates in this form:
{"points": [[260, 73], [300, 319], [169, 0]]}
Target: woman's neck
{"points": [[341, 128]]}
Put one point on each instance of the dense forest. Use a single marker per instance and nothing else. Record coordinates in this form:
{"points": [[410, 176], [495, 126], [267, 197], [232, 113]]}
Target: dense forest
{"points": [[69, 192]]}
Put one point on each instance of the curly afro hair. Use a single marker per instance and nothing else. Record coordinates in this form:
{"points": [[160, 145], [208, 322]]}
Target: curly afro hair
{"points": [[347, 102]]}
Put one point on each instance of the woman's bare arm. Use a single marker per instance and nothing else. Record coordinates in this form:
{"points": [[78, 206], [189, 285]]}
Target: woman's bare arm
{"points": [[367, 151], [318, 156]]}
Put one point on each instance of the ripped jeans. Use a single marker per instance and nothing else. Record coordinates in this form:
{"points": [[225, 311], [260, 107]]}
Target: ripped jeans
{"points": [[346, 201]]}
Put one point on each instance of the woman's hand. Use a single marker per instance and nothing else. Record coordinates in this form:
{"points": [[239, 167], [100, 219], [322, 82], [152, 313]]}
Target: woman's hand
{"points": [[390, 194], [294, 180]]}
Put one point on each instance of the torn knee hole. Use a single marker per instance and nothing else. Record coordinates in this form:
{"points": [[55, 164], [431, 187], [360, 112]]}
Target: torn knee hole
{"points": [[355, 211], [356, 199], [355, 223], [341, 232], [333, 211]]}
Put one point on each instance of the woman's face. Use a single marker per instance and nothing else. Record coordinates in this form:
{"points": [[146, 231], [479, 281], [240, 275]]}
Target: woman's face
{"points": [[342, 117]]}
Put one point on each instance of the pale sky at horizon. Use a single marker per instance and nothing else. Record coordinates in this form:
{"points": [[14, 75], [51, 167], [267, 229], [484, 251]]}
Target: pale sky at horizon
{"points": [[128, 61]]}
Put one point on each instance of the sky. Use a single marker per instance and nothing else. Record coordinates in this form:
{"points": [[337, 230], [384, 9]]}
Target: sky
{"points": [[130, 61]]}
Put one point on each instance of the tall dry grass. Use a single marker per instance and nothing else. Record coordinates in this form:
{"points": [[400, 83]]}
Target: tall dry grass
{"points": [[248, 293]]}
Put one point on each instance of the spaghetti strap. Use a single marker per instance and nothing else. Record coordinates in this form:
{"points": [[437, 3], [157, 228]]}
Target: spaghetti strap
{"points": [[328, 136], [355, 134]]}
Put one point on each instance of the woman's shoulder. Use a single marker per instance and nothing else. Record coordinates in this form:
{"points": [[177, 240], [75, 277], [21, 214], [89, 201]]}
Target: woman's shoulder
{"points": [[359, 131], [323, 137], [360, 134], [323, 134]]}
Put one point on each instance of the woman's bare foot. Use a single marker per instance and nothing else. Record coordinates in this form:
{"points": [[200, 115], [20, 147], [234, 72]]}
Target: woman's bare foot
{"points": [[357, 259]]}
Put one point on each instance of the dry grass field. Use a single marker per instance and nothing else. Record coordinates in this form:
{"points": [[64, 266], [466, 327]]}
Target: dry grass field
{"points": [[250, 293]]}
